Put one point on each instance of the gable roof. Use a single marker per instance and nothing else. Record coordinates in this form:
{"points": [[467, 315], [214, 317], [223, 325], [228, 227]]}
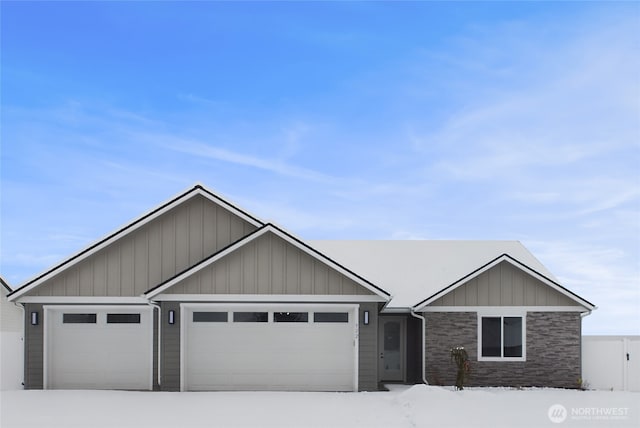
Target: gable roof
{"points": [[418, 272], [5, 285], [197, 190], [504, 258], [270, 228]]}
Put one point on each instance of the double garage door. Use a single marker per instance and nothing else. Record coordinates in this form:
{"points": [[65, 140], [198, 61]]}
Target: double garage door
{"points": [[291, 347], [269, 347], [98, 347]]}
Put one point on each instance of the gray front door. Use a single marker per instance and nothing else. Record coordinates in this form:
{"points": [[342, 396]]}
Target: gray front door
{"points": [[392, 349]]}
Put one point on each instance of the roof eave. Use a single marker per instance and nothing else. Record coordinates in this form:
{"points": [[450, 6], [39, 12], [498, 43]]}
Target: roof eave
{"points": [[517, 263], [128, 228], [254, 235]]}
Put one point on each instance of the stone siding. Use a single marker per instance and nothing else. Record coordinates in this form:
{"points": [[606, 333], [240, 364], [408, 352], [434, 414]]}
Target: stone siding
{"points": [[553, 355]]}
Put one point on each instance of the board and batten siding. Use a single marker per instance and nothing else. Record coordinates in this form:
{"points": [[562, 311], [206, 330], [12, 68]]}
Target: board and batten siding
{"points": [[170, 344], [155, 252], [368, 348], [33, 348], [504, 285], [268, 265]]}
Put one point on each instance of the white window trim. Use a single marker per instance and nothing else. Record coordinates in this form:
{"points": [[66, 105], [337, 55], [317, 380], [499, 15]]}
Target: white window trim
{"points": [[501, 313]]}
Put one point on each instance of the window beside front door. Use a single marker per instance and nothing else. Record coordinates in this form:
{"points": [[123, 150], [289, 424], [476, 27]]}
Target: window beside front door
{"points": [[501, 338]]}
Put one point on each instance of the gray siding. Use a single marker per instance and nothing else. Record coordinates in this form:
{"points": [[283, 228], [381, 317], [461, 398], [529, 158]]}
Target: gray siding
{"points": [[368, 349], [156, 322], [170, 362], [33, 348], [268, 265], [504, 285], [151, 254], [553, 356]]}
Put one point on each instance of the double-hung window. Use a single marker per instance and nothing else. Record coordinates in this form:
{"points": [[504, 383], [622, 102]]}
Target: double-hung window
{"points": [[501, 338]]}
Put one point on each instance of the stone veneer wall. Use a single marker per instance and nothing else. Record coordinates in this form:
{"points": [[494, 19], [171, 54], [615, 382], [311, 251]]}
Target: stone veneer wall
{"points": [[553, 351]]}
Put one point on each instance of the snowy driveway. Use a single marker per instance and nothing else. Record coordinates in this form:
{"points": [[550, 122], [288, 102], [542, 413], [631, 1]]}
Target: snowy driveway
{"points": [[403, 406]]}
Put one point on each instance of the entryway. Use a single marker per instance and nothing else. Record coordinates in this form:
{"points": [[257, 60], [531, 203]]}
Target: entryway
{"points": [[392, 348]]}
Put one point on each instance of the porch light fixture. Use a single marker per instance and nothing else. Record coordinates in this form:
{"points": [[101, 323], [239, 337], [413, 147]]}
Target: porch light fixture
{"points": [[366, 317], [34, 318], [172, 317]]}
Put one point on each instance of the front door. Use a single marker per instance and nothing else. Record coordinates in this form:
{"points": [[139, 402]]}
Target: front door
{"points": [[392, 348]]}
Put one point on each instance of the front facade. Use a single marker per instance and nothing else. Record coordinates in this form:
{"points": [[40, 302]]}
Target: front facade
{"points": [[201, 295], [518, 329]]}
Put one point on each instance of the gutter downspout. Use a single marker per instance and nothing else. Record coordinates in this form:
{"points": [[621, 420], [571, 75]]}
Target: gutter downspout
{"points": [[424, 333], [22, 334], [156, 306]]}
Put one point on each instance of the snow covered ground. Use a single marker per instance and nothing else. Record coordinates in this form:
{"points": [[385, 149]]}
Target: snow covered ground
{"points": [[403, 406]]}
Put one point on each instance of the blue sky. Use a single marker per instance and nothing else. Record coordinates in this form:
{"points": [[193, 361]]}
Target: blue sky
{"points": [[358, 120]]}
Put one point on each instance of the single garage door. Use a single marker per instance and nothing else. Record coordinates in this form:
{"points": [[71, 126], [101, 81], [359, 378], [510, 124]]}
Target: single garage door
{"points": [[269, 347], [98, 347]]}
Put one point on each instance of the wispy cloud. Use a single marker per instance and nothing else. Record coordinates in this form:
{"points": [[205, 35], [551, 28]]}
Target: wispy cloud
{"points": [[206, 151], [606, 276]]}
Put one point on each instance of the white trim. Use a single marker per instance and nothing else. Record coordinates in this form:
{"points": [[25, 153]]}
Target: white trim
{"points": [[88, 300], [182, 344], [505, 309], [252, 237], [46, 309], [354, 309], [133, 226], [501, 314], [268, 298], [356, 344], [395, 310], [514, 262], [45, 347]]}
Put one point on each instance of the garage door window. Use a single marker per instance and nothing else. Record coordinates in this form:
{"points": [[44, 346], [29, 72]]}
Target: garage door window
{"points": [[291, 316], [123, 318], [250, 317], [331, 317], [210, 317], [79, 318]]}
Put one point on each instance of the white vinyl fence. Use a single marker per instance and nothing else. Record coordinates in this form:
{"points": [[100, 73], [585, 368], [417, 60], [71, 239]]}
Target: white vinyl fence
{"points": [[611, 362]]}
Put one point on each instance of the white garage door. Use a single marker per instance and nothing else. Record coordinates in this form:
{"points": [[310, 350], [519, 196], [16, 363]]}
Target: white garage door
{"points": [[269, 347], [98, 347]]}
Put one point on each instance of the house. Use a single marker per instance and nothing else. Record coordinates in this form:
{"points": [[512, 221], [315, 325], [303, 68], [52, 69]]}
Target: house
{"points": [[199, 294], [11, 358]]}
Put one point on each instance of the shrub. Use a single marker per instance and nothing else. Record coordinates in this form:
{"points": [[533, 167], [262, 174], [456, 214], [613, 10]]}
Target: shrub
{"points": [[460, 357]]}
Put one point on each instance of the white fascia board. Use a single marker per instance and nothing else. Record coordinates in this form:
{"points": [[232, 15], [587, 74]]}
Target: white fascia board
{"points": [[267, 298], [391, 310], [503, 310], [256, 234], [88, 300], [131, 227], [80, 308], [505, 258]]}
